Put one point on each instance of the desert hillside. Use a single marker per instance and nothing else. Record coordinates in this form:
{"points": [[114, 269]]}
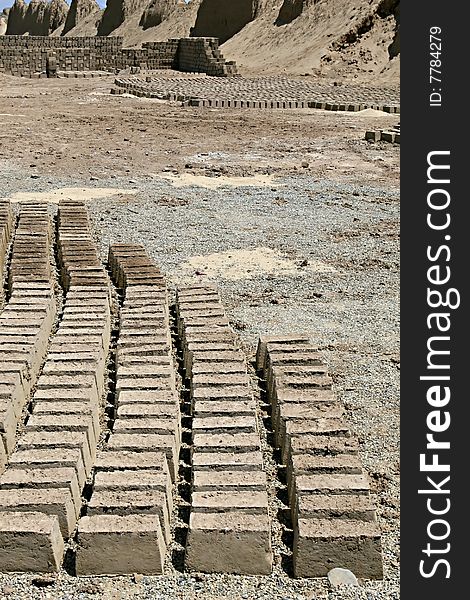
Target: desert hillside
{"points": [[351, 39]]}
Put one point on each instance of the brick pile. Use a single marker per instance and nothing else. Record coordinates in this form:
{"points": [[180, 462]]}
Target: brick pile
{"points": [[28, 55], [332, 514], [202, 55], [391, 135], [127, 526], [260, 92], [6, 224], [40, 491], [229, 527], [27, 319]]}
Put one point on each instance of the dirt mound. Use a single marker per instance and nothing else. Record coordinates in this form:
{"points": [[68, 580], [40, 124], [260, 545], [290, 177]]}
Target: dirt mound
{"points": [[223, 18], [156, 12], [78, 12], [341, 39], [117, 12]]}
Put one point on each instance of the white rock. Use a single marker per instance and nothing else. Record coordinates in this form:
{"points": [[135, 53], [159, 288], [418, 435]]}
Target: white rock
{"points": [[339, 576]]}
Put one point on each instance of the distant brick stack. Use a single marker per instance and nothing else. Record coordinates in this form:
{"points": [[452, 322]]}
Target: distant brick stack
{"points": [[28, 55], [202, 55], [333, 517], [229, 527]]}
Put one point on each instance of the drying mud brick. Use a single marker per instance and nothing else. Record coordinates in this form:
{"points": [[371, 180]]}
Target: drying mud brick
{"points": [[332, 513], [230, 530], [119, 545], [22, 534]]}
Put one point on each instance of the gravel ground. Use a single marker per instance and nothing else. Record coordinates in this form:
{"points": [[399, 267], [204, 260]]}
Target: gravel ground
{"points": [[331, 223], [350, 312]]}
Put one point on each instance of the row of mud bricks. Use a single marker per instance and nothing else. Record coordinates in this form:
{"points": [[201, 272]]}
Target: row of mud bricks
{"points": [[90, 421]]}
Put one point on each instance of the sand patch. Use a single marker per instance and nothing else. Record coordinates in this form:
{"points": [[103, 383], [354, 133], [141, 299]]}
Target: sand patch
{"points": [[83, 194], [185, 179], [246, 264]]}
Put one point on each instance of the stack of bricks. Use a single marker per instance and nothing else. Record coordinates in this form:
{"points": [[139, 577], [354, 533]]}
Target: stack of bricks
{"points": [[202, 55], [332, 514], [229, 529], [27, 55], [127, 526], [40, 491], [27, 319], [6, 224]]}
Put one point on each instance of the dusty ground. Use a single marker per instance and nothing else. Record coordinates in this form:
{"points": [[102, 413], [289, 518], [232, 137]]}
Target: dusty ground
{"points": [[312, 244]]}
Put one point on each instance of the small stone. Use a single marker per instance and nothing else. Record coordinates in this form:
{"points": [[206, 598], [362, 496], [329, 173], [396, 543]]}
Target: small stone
{"points": [[90, 588], [43, 581], [34, 176], [7, 590], [93, 178], [138, 577], [305, 164], [339, 577]]}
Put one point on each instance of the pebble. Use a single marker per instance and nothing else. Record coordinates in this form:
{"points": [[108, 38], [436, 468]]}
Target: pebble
{"points": [[340, 576]]}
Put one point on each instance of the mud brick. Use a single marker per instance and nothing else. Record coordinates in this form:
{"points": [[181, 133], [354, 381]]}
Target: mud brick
{"points": [[297, 355], [207, 368], [46, 458], [323, 544], [145, 383], [147, 442], [279, 342], [122, 460], [120, 545], [128, 397], [8, 422], [322, 445], [223, 409], [66, 439], [299, 413], [133, 348], [68, 422], [373, 135], [230, 424], [13, 395], [251, 502], [318, 506], [3, 457], [220, 442], [278, 375], [84, 382], [320, 427], [227, 393], [64, 394], [128, 502], [225, 481], [37, 478], [342, 484], [55, 501], [139, 479], [146, 370], [203, 460], [219, 380], [30, 542], [230, 542], [150, 424]]}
